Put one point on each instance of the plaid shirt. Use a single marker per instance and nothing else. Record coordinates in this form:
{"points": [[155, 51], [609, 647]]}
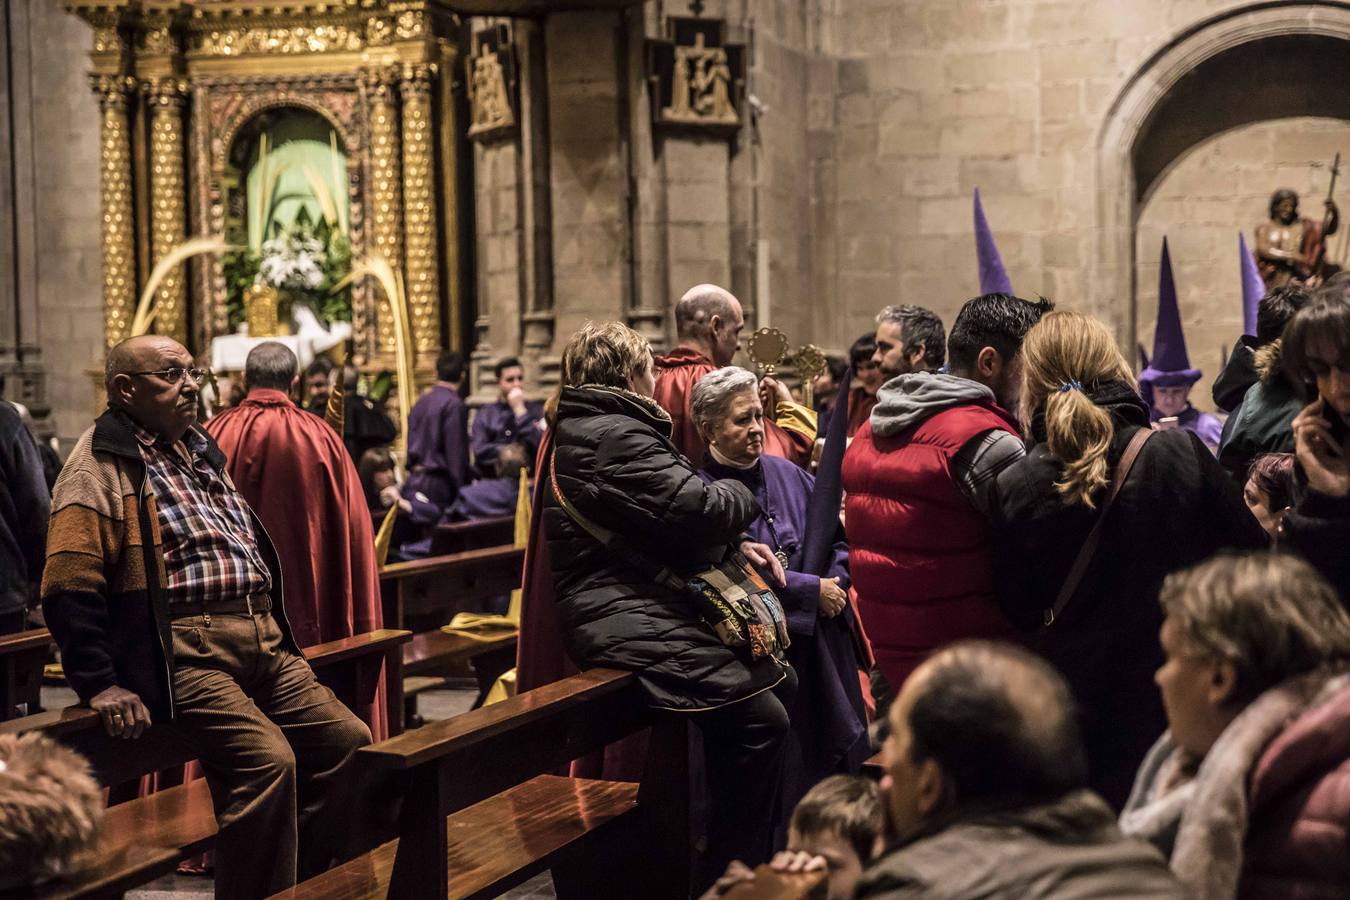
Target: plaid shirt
{"points": [[210, 551]]}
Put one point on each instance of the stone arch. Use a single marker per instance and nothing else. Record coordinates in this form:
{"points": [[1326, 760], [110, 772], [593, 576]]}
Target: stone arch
{"points": [[1138, 139]]}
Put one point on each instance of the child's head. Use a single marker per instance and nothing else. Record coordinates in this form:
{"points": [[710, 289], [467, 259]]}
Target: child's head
{"points": [[839, 819], [1270, 489]]}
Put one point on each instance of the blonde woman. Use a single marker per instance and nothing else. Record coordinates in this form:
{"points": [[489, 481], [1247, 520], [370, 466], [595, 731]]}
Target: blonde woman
{"points": [[1080, 410]]}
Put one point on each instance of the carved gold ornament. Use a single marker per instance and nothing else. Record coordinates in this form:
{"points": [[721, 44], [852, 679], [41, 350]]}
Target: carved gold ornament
{"points": [[767, 347], [291, 40], [261, 302]]}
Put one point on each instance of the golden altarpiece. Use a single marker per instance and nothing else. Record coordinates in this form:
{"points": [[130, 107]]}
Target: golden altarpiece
{"points": [[188, 92]]}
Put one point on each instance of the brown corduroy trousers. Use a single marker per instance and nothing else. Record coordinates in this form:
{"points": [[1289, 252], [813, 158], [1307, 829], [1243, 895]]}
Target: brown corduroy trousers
{"points": [[276, 747]]}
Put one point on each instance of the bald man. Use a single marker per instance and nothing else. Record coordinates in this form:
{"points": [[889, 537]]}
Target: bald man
{"points": [[708, 321], [985, 790], [164, 593]]}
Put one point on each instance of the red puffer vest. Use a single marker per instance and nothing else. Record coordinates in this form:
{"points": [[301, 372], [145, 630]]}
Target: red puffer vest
{"points": [[1298, 830], [918, 551]]}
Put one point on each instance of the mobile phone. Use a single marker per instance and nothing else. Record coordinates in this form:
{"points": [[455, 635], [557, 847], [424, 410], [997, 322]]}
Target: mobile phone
{"points": [[1167, 422], [1335, 424]]}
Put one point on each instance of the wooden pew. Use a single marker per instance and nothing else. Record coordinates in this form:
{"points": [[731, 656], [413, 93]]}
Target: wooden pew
{"points": [[437, 587], [482, 810], [456, 537], [22, 656], [145, 838], [425, 594]]}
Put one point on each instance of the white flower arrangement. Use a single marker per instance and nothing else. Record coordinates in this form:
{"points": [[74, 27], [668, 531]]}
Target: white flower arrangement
{"points": [[293, 262]]}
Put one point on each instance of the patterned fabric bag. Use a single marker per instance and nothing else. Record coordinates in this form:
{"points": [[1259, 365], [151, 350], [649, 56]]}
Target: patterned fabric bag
{"points": [[730, 597]]}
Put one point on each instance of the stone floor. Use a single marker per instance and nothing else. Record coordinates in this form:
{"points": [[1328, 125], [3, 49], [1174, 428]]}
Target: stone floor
{"points": [[432, 705]]}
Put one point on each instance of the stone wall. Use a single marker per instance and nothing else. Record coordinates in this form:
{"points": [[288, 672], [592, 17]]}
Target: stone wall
{"points": [[938, 97], [56, 128], [1219, 188]]}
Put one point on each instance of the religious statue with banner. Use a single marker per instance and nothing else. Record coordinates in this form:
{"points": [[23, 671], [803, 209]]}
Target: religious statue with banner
{"points": [[1290, 247]]}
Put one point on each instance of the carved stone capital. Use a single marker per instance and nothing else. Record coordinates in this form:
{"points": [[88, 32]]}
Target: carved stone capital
{"points": [[108, 40], [380, 84], [112, 90], [410, 24], [165, 93], [158, 40], [417, 78]]}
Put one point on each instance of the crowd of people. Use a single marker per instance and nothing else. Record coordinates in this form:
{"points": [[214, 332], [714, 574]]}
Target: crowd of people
{"points": [[1099, 639]]}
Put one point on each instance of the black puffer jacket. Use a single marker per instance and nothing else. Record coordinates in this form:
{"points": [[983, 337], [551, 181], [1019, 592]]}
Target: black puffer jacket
{"points": [[1176, 508], [616, 465]]}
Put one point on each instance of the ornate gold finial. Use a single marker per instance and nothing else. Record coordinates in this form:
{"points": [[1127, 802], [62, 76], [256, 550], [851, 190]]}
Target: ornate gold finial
{"points": [[336, 410], [811, 363], [767, 347]]}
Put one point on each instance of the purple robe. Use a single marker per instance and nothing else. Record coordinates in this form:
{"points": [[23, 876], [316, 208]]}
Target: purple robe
{"points": [[485, 499], [829, 720], [1206, 426], [438, 447], [495, 426]]}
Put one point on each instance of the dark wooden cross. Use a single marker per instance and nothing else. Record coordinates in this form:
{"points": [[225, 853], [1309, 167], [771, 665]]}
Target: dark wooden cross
{"points": [[696, 7]]}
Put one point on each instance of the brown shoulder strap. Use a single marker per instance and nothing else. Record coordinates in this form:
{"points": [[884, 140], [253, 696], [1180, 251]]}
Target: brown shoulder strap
{"points": [[1089, 548]]}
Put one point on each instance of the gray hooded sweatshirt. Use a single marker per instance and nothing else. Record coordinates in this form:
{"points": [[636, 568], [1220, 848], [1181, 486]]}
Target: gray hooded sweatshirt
{"points": [[907, 400]]}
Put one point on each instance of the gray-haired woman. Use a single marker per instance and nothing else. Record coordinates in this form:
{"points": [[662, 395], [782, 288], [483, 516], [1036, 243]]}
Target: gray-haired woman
{"points": [[1248, 791], [829, 721]]}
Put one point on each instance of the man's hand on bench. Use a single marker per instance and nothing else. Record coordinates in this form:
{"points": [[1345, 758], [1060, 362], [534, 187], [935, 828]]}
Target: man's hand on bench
{"points": [[122, 712]]}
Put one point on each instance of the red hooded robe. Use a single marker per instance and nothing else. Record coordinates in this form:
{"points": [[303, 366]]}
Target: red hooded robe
{"points": [[295, 473], [676, 375]]}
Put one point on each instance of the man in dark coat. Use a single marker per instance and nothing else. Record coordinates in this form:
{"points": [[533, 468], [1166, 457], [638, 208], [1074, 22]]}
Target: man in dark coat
{"points": [[25, 505], [986, 792], [510, 420], [438, 437]]}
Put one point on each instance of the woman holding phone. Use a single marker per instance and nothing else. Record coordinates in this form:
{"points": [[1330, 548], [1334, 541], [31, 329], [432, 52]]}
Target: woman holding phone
{"points": [[1317, 353]]}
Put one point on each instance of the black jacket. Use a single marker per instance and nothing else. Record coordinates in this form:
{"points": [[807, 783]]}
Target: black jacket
{"points": [[1318, 529], [1262, 420], [1238, 374], [25, 504], [616, 465], [1176, 508]]}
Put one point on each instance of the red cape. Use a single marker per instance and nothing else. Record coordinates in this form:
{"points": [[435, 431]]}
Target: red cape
{"points": [[676, 374], [295, 473]]}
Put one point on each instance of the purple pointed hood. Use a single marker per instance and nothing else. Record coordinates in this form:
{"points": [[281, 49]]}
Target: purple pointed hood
{"points": [[993, 277], [1253, 287], [1170, 364]]}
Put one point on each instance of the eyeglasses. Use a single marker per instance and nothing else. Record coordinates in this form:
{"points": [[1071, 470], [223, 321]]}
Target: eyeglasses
{"points": [[175, 375]]}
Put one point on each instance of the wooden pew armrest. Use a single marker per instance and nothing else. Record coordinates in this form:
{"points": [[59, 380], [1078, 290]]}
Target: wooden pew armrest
{"points": [[356, 645]]}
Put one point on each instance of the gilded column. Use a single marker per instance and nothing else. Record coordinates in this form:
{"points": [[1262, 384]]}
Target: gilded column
{"points": [[168, 202], [419, 210], [386, 187], [119, 252]]}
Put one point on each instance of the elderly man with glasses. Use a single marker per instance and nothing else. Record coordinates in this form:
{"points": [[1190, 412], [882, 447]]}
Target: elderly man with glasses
{"points": [[164, 593]]}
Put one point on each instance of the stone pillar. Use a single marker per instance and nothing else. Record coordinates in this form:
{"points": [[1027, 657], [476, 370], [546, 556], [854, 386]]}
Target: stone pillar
{"points": [[386, 187], [419, 205], [536, 211], [119, 254], [168, 199]]}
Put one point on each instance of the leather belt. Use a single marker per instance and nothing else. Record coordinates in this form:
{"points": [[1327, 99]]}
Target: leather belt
{"points": [[251, 606]]}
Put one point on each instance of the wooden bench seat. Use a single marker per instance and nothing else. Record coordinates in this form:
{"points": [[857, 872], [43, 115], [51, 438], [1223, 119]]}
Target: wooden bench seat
{"points": [[456, 537], [436, 653], [548, 816], [141, 841]]}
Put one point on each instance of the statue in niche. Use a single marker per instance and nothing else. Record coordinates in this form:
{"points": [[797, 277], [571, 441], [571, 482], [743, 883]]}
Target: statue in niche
{"points": [[701, 88], [489, 77], [1289, 247], [697, 78]]}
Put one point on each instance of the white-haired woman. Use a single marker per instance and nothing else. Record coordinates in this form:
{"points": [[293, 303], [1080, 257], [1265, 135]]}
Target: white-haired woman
{"points": [[829, 722], [1248, 792]]}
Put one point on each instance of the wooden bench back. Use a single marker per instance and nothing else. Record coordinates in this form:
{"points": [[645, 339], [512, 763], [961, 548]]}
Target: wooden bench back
{"points": [[345, 665], [434, 589], [456, 537]]}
